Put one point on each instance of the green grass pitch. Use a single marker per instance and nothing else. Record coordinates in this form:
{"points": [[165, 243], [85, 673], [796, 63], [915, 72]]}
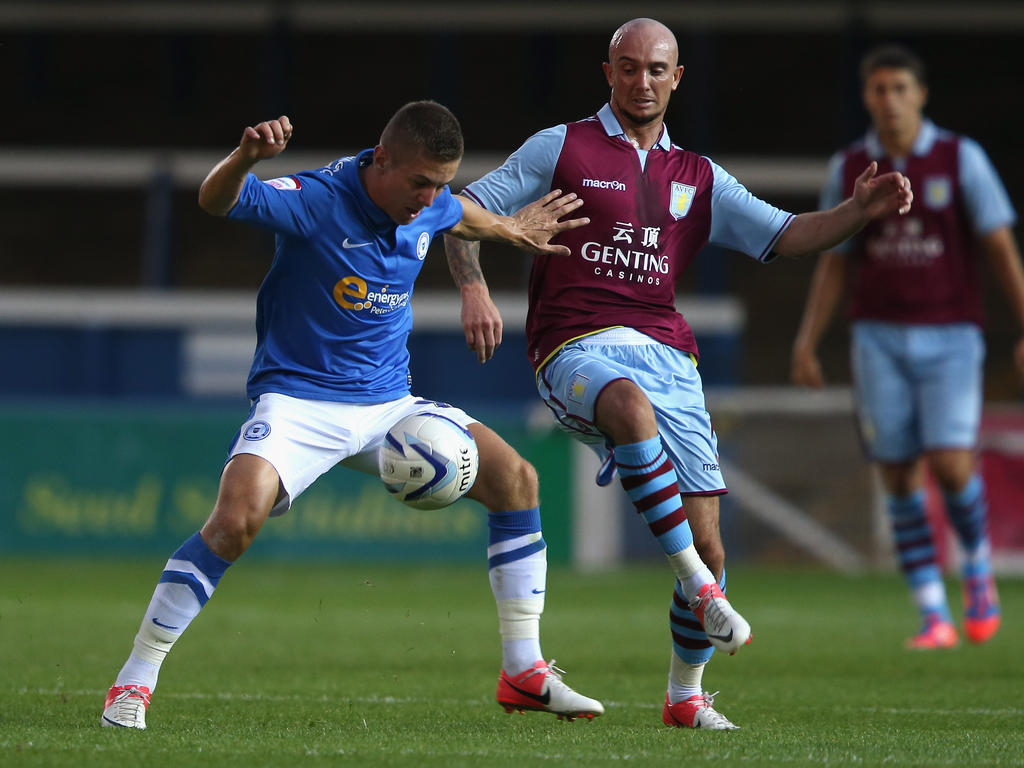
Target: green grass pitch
{"points": [[366, 665]]}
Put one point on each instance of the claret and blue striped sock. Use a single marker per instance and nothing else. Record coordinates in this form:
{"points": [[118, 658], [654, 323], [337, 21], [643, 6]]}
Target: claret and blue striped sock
{"points": [[185, 586], [915, 551], [517, 568], [650, 481], [968, 512]]}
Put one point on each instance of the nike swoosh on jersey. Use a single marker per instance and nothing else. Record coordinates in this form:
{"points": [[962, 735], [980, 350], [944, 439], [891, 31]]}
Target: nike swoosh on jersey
{"points": [[346, 243], [543, 698], [161, 624]]}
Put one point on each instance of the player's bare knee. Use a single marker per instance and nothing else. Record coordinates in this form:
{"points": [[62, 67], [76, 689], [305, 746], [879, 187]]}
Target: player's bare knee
{"points": [[623, 412], [509, 484], [526, 489], [232, 527]]}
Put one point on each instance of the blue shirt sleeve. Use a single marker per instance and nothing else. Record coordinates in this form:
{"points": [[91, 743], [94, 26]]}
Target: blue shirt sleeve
{"points": [[288, 206], [450, 208], [742, 222], [524, 177], [985, 198]]}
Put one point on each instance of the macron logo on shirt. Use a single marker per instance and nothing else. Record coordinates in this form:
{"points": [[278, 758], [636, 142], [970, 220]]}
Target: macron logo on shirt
{"points": [[618, 186]]}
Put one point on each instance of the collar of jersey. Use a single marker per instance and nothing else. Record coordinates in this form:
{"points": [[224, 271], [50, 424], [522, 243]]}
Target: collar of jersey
{"points": [[611, 126], [378, 220], [922, 144]]}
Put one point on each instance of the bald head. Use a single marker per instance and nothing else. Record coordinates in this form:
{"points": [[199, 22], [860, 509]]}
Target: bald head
{"points": [[648, 33], [642, 70]]}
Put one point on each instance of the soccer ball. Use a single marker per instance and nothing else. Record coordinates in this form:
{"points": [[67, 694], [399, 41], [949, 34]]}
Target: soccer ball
{"points": [[428, 461]]}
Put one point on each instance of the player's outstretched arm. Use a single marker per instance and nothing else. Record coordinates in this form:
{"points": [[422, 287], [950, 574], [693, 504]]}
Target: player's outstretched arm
{"points": [[874, 197], [530, 228], [481, 320], [222, 185]]}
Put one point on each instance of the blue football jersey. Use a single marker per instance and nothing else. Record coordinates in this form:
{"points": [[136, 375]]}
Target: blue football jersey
{"points": [[333, 314]]}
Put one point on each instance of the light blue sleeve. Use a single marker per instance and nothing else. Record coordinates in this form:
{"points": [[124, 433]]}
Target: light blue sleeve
{"points": [[742, 222], [287, 206], [832, 192], [524, 177], [988, 205]]}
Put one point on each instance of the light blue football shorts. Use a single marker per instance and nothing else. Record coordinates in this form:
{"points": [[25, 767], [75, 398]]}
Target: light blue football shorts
{"points": [[918, 387], [571, 382]]}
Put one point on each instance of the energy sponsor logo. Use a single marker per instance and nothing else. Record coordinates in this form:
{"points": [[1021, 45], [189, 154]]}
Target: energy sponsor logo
{"points": [[353, 293]]}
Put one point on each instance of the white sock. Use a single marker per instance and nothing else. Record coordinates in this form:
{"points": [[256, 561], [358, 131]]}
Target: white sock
{"points": [[186, 584], [517, 567], [519, 623], [518, 588], [684, 680], [170, 611], [690, 570]]}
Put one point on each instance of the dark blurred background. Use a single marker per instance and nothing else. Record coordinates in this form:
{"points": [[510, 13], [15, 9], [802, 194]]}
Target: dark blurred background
{"points": [[115, 110]]}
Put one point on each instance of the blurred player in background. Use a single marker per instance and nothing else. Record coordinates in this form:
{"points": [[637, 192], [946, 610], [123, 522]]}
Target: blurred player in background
{"points": [[917, 350], [330, 376], [615, 362]]}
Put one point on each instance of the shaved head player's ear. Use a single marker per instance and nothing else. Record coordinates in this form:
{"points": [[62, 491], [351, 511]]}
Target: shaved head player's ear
{"points": [[381, 158]]}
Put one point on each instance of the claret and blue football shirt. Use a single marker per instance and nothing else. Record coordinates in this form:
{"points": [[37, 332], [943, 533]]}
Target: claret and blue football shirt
{"points": [[333, 314], [651, 212], [922, 268]]}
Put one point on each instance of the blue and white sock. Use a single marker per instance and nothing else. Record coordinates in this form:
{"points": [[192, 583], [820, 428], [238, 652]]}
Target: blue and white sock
{"points": [[185, 586], [915, 551], [968, 512], [517, 566]]}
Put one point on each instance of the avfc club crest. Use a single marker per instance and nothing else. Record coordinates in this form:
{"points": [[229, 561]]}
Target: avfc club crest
{"points": [[681, 199], [938, 192]]}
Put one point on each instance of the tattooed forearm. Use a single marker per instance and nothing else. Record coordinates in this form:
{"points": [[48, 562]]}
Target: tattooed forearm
{"points": [[463, 260]]}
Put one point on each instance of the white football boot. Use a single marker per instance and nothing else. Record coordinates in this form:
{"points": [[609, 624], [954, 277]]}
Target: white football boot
{"points": [[126, 707], [725, 628]]}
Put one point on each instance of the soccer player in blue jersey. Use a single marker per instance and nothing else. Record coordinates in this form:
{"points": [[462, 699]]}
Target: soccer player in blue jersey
{"points": [[330, 376], [917, 349], [615, 363]]}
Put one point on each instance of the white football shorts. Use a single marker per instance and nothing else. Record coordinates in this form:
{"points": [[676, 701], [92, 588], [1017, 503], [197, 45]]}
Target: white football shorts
{"points": [[302, 439]]}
